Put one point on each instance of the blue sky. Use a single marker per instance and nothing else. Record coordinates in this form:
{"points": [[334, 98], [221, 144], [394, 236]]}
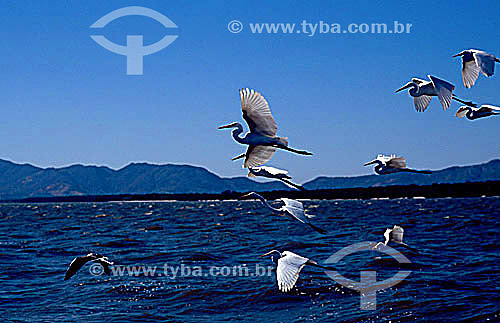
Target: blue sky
{"points": [[67, 100]]}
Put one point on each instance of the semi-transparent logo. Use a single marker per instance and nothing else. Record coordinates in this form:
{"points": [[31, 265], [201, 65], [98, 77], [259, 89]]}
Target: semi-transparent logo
{"points": [[135, 49], [368, 284]]}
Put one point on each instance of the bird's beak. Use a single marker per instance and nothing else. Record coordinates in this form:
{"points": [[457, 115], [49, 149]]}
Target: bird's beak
{"points": [[456, 55], [226, 126], [267, 253], [402, 88], [372, 162], [244, 196]]}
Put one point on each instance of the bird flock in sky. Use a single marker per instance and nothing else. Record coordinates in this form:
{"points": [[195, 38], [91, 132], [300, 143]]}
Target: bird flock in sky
{"points": [[474, 62], [262, 142]]}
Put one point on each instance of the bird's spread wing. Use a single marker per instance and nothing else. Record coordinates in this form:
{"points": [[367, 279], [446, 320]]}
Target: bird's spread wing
{"points": [[257, 113], [288, 270], [75, 265], [258, 155], [295, 208], [486, 62], [293, 203], [421, 102], [397, 162], [397, 234], [470, 73], [444, 91], [387, 236]]}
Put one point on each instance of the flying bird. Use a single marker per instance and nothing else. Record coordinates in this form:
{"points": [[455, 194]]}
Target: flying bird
{"points": [[292, 209], [78, 263], [271, 172], [473, 113], [392, 164], [476, 61], [289, 267], [394, 235], [422, 92], [261, 139]]}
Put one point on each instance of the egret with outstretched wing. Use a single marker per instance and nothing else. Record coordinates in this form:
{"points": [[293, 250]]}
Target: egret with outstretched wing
{"points": [[289, 267], [271, 172], [422, 92], [476, 61], [261, 139], [292, 209], [392, 164]]}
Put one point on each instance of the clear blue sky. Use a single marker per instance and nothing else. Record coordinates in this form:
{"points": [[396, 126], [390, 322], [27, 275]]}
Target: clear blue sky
{"points": [[67, 100]]}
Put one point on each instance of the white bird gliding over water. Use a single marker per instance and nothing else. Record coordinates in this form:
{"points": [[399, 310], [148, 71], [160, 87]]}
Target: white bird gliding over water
{"points": [[292, 209], [392, 164], [422, 92], [289, 267], [271, 172], [78, 263], [475, 61], [261, 140]]}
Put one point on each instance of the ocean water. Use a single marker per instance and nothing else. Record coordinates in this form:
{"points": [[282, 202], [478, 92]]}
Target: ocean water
{"points": [[454, 277]]}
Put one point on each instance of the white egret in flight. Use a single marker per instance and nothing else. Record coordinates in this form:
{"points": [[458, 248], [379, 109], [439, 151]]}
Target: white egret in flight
{"points": [[78, 263], [422, 92], [289, 267], [271, 172], [392, 164], [476, 113], [292, 209], [261, 140], [472, 111], [475, 61], [394, 235]]}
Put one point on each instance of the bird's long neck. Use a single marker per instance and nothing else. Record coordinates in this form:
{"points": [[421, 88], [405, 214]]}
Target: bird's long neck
{"points": [[263, 200], [415, 90], [379, 168], [469, 114], [236, 133], [277, 251]]}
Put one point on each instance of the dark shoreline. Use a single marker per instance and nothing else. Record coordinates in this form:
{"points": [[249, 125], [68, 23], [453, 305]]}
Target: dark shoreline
{"points": [[470, 189]]}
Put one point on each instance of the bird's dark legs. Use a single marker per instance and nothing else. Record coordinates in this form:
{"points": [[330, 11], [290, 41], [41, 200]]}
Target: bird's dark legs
{"points": [[238, 157], [469, 103], [299, 187], [301, 152]]}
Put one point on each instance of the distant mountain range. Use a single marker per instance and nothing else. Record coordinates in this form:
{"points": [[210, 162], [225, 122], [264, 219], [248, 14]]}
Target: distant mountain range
{"points": [[24, 180]]}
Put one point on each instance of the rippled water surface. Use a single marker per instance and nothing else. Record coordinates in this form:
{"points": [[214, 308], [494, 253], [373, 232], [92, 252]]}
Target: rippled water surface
{"points": [[454, 277]]}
